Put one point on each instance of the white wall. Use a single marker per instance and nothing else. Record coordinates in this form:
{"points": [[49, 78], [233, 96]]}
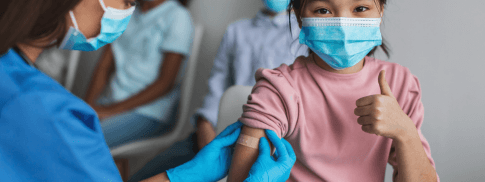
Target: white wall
{"points": [[441, 41]]}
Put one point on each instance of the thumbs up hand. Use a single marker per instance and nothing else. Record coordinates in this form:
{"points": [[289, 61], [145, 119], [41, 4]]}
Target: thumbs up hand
{"points": [[381, 114]]}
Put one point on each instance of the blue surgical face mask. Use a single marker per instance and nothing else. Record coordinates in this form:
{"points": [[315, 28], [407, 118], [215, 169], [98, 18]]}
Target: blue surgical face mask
{"points": [[276, 6], [113, 24], [341, 42]]}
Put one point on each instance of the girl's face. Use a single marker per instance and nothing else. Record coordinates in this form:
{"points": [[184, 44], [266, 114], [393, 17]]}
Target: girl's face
{"points": [[88, 14], [339, 8]]}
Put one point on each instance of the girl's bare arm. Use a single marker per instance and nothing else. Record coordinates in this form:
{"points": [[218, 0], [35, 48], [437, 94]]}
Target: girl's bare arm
{"points": [[244, 157]]}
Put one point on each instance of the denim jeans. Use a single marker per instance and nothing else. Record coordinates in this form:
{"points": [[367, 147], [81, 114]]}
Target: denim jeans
{"points": [[131, 126]]}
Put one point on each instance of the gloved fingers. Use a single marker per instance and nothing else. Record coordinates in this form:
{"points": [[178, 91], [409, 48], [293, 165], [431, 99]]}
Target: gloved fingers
{"points": [[230, 129], [289, 149], [229, 139], [264, 149], [280, 147], [276, 155]]}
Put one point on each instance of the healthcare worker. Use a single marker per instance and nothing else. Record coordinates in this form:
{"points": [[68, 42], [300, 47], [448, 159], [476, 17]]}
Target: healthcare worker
{"points": [[263, 41], [46, 133]]}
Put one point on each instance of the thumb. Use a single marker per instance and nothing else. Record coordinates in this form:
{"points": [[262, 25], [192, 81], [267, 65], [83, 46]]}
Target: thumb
{"points": [[229, 139], [385, 89]]}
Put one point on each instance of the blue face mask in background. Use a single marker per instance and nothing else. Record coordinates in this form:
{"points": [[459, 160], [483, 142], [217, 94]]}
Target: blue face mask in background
{"points": [[341, 42], [276, 6], [113, 24]]}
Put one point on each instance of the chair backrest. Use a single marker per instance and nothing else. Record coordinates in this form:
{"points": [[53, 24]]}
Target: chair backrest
{"points": [[188, 80], [230, 106], [72, 64]]}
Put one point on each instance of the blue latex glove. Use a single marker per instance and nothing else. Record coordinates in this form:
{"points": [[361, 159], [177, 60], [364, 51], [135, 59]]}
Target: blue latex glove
{"points": [[212, 162], [268, 168]]}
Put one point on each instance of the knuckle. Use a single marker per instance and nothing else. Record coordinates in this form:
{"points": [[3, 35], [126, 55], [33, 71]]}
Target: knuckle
{"points": [[376, 98], [377, 127], [377, 111], [380, 99]]}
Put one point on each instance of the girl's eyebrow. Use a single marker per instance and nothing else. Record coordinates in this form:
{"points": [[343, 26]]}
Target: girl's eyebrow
{"points": [[328, 0]]}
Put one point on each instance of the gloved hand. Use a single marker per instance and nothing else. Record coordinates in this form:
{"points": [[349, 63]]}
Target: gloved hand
{"points": [[212, 162], [272, 169]]}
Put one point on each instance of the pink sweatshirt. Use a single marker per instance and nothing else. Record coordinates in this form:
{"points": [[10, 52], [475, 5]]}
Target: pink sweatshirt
{"points": [[314, 110]]}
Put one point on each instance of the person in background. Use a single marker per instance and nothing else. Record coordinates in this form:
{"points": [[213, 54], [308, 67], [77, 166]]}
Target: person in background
{"points": [[263, 41], [140, 73]]}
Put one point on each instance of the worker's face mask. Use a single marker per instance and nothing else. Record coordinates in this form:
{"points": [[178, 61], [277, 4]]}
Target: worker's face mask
{"points": [[276, 6], [113, 24], [341, 42]]}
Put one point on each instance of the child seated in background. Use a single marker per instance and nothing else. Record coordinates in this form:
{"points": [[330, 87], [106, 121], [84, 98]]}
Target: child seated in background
{"points": [[343, 116], [141, 71]]}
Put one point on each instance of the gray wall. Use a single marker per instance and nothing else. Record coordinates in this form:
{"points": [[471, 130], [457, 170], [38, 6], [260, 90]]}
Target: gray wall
{"points": [[441, 42]]}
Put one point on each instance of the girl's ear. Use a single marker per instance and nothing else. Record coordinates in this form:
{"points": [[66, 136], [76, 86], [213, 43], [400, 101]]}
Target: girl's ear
{"points": [[382, 15]]}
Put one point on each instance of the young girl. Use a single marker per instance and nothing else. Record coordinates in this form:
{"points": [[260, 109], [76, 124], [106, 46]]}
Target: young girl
{"points": [[343, 115]]}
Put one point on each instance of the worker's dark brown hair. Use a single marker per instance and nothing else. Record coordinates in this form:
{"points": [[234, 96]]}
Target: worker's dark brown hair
{"points": [[22, 21]]}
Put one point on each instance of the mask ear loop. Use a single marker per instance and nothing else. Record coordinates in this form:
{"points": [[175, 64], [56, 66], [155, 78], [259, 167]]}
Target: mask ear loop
{"points": [[102, 5], [73, 19]]}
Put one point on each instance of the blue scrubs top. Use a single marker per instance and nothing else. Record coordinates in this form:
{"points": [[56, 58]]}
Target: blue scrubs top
{"points": [[46, 133]]}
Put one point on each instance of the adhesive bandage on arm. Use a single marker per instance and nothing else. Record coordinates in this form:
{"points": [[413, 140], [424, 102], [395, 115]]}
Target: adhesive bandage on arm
{"points": [[248, 141]]}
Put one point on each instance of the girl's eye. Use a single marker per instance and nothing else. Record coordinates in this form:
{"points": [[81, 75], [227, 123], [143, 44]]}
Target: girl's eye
{"points": [[132, 3], [323, 11], [361, 9]]}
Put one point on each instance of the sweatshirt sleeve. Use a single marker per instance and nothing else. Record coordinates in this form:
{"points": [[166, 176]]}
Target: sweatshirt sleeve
{"points": [[413, 107], [273, 103]]}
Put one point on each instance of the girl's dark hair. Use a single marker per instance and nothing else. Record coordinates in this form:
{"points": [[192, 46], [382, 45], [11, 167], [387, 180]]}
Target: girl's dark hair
{"points": [[22, 21], [184, 3], [297, 5]]}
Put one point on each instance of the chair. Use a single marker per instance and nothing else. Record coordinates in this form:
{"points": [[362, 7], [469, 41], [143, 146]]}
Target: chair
{"points": [[230, 107], [74, 57], [142, 151]]}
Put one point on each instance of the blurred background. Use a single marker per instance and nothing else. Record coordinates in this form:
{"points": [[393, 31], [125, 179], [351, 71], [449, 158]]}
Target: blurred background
{"points": [[442, 42]]}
